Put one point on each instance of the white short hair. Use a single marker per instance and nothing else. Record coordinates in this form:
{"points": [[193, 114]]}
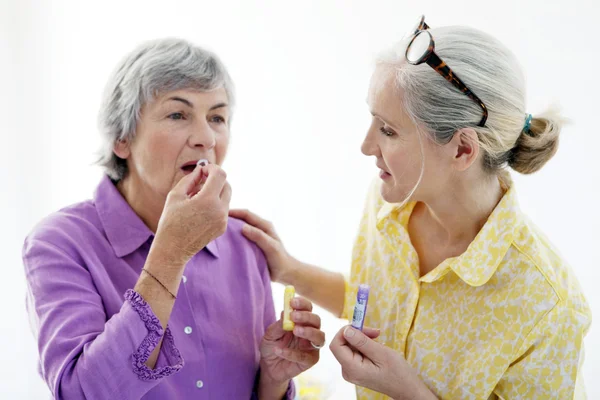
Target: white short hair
{"points": [[155, 67], [492, 72]]}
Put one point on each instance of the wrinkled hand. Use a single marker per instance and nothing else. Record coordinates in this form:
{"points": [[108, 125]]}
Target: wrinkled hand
{"points": [[262, 232], [284, 354], [195, 212], [374, 366]]}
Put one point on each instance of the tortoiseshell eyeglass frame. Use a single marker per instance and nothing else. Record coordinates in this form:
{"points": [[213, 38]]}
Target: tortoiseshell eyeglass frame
{"points": [[435, 62]]}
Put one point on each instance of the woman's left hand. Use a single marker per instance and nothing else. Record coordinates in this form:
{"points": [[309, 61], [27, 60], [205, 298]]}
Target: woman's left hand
{"points": [[286, 354], [377, 367]]}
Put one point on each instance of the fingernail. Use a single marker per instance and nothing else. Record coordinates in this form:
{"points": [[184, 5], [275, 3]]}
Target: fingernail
{"points": [[349, 332]]}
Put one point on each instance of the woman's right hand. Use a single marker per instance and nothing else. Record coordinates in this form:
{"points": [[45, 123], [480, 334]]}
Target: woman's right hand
{"points": [[262, 232], [195, 213]]}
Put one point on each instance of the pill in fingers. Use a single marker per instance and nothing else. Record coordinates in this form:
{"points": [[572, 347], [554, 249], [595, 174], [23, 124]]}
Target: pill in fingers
{"points": [[290, 292], [202, 163]]}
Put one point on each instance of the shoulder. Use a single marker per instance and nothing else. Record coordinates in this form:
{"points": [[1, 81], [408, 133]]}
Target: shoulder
{"points": [[539, 258], [66, 228], [235, 240]]}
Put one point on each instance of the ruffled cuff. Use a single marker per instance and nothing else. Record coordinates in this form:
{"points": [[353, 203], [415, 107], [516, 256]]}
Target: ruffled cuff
{"points": [[149, 343]]}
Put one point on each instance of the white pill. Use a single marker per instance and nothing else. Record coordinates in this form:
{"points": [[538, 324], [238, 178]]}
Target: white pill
{"points": [[202, 162]]}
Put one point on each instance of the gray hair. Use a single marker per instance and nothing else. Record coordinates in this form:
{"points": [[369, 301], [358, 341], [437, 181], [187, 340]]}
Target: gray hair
{"points": [[492, 72], [155, 67]]}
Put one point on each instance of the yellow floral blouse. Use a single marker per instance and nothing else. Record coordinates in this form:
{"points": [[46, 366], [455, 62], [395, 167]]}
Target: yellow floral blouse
{"points": [[504, 320]]}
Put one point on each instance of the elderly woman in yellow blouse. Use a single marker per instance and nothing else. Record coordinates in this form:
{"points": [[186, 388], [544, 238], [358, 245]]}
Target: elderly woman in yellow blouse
{"points": [[470, 298]]}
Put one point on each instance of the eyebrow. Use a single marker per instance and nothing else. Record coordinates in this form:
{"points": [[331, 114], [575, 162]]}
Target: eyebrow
{"points": [[220, 105], [394, 125], [189, 103], [373, 113], [182, 100]]}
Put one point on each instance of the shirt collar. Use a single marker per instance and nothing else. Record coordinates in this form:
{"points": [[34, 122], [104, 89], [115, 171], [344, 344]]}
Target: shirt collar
{"points": [[483, 256], [124, 229]]}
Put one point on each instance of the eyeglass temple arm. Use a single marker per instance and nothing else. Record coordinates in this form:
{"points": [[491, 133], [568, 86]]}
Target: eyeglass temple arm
{"points": [[440, 66]]}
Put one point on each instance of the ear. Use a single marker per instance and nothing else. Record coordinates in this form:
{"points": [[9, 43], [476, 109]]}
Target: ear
{"points": [[122, 149], [465, 148]]}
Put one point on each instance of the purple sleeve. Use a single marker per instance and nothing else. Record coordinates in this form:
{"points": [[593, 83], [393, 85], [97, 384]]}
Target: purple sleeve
{"points": [[269, 317], [82, 355]]}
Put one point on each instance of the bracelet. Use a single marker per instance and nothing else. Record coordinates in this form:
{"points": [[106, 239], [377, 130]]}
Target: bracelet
{"points": [[161, 284]]}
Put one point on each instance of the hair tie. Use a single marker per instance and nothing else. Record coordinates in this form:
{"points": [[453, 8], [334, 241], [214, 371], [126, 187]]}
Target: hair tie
{"points": [[527, 123]]}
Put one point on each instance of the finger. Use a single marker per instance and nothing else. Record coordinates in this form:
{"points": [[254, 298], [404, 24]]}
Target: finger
{"points": [[304, 358], [264, 241], [254, 220], [275, 333], [306, 318], [275, 330], [198, 186], [314, 335], [373, 333], [301, 304], [239, 213], [340, 349], [215, 181], [362, 343], [187, 184]]}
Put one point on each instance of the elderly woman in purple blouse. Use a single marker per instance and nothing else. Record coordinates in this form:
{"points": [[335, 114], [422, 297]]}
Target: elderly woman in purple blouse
{"points": [[149, 290]]}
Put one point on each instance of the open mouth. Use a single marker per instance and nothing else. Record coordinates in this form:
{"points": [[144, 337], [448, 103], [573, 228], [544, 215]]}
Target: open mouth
{"points": [[188, 167]]}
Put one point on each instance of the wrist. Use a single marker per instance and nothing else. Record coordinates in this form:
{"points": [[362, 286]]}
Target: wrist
{"points": [[270, 389], [167, 255], [288, 276], [425, 393], [411, 388]]}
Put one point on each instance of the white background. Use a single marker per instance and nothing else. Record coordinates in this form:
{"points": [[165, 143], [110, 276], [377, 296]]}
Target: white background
{"points": [[301, 69]]}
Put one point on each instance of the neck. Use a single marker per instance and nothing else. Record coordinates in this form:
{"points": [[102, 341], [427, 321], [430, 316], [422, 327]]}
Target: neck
{"points": [[458, 215], [146, 203]]}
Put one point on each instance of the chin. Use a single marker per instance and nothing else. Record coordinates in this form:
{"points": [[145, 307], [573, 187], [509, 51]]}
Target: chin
{"points": [[388, 194], [393, 194]]}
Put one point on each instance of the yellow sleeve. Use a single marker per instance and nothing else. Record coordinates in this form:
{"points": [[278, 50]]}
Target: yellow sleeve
{"points": [[548, 365], [349, 299], [345, 313], [357, 272]]}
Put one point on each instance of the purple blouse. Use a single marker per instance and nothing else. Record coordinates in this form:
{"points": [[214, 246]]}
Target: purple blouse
{"points": [[94, 333]]}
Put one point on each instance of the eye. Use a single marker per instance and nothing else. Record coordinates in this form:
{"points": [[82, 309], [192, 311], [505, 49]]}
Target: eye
{"points": [[386, 132], [176, 116], [217, 119]]}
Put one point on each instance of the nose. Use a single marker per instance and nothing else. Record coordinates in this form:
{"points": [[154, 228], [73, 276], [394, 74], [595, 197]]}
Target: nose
{"points": [[202, 135], [369, 146]]}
